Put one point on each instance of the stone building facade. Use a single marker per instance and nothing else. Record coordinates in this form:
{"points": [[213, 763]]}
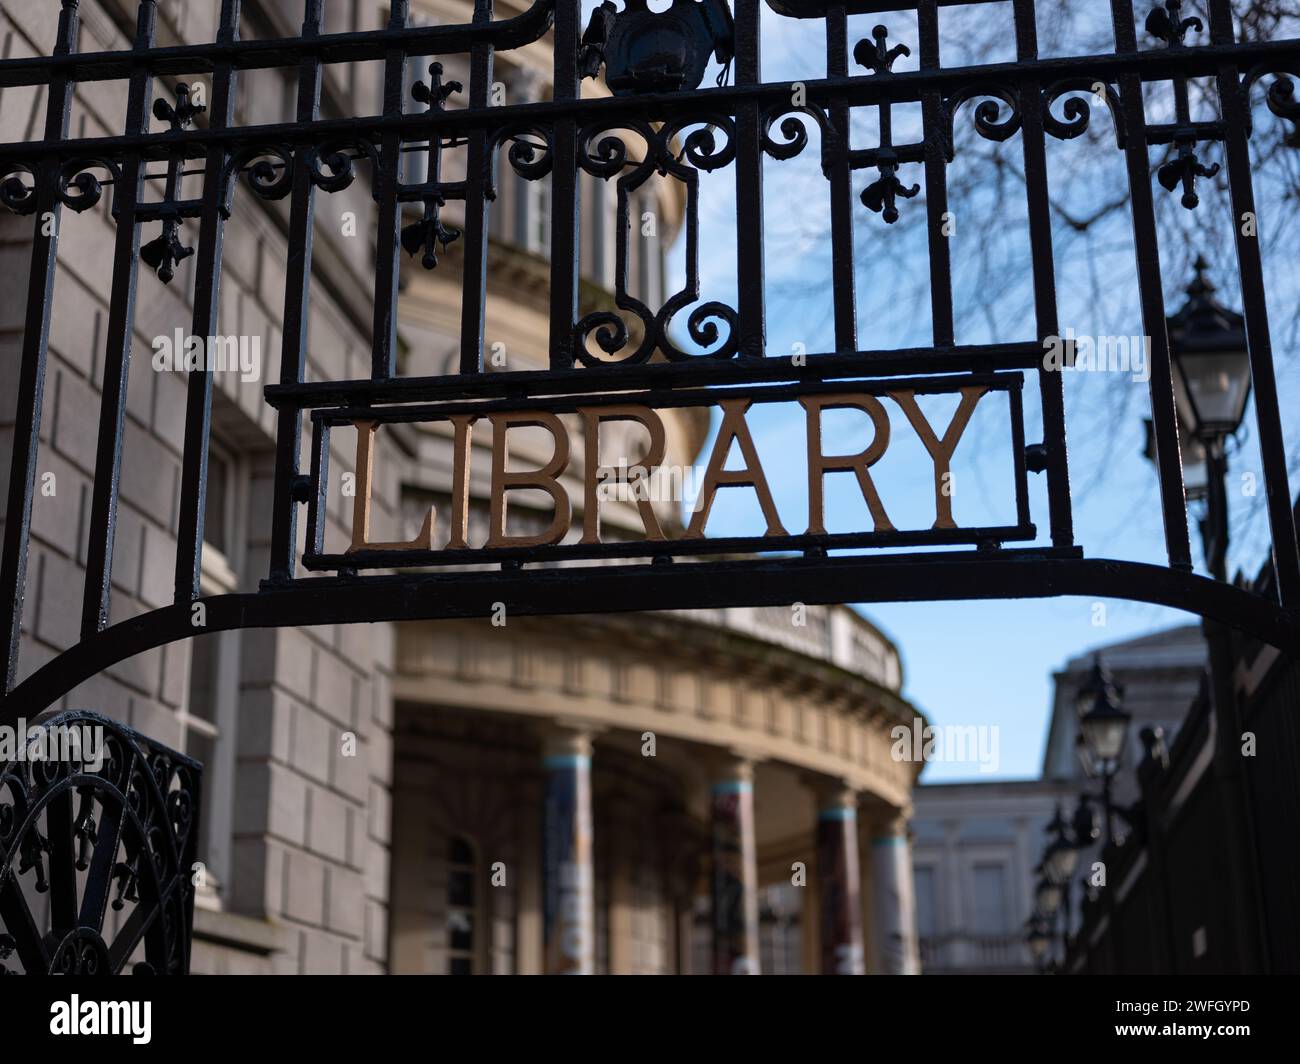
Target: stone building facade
{"points": [[392, 797]]}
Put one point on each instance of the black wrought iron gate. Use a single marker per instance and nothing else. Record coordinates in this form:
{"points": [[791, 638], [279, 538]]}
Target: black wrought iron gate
{"points": [[653, 63]]}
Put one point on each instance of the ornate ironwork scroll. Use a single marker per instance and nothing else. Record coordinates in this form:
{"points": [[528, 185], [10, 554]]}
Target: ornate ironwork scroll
{"points": [[97, 840]]}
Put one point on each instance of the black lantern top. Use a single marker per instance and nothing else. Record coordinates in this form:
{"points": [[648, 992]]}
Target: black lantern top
{"points": [[1100, 685]]}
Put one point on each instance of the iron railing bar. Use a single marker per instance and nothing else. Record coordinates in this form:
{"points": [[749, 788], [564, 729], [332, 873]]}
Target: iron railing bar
{"points": [[661, 399], [320, 477], [938, 218], [1018, 457], [346, 47], [297, 289], [473, 309], [383, 352], [1050, 381], [31, 370], [207, 284], [97, 595], [841, 187], [1146, 246], [750, 266], [566, 93], [677, 548], [1195, 60], [59, 834], [1235, 111], [901, 87], [523, 385]]}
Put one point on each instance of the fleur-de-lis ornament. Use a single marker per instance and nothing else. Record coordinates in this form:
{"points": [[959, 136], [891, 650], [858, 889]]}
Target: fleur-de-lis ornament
{"points": [[31, 852], [164, 251], [882, 194], [427, 233], [1184, 170], [181, 115], [1167, 23], [878, 58], [86, 830]]}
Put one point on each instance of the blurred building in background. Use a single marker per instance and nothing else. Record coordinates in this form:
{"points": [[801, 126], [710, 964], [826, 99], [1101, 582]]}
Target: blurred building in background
{"points": [[977, 844]]}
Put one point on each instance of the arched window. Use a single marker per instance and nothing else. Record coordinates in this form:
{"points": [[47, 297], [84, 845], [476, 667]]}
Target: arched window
{"points": [[462, 882]]}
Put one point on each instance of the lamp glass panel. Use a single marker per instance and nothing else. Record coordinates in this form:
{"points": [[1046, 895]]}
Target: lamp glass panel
{"points": [[1104, 736], [1217, 383]]}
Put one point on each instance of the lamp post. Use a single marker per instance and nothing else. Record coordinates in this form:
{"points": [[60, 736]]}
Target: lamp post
{"points": [[1059, 861], [1212, 383], [1103, 734], [1211, 389], [1039, 941]]}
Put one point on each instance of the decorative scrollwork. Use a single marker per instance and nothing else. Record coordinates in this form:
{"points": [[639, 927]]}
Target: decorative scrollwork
{"points": [[990, 122], [337, 158], [532, 150], [701, 327], [1280, 98], [679, 149], [700, 146], [609, 156], [793, 131], [78, 188], [16, 195], [95, 818], [1076, 95], [267, 170]]}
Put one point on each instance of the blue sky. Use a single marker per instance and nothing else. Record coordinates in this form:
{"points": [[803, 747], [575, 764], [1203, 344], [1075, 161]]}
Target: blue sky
{"points": [[985, 663]]}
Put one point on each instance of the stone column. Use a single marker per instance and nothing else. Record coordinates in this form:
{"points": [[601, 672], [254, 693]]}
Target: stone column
{"points": [[894, 902], [838, 884], [568, 878], [735, 871]]}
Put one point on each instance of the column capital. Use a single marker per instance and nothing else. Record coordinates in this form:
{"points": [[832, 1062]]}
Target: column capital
{"points": [[563, 738], [831, 793], [889, 823], [732, 765]]}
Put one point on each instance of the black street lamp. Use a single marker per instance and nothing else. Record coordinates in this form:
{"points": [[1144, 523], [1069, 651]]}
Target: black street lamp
{"points": [[1059, 862], [1039, 940], [1103, 734], [1061, 856], [1211, 389]]}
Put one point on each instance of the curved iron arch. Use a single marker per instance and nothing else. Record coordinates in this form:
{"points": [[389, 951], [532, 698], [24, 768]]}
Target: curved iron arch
{"points": [[601, 589]]}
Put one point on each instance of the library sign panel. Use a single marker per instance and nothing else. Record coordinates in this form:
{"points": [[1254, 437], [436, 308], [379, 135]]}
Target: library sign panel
{"points": [[734, 461]]}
